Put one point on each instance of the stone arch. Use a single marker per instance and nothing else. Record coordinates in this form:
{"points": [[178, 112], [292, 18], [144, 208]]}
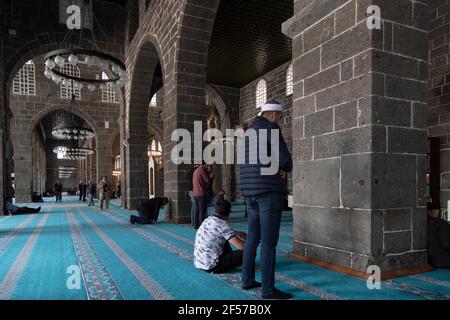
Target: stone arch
{"points": [[148, 55], [195, 31], [43, 112], [23, 148], [225, 112]]}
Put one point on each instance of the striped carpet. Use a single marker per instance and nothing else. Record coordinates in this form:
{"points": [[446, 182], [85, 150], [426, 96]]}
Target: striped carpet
{"points": [[72, 251]]}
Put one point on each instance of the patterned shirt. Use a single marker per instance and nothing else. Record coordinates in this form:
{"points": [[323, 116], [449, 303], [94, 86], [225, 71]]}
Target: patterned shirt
{"points": [[209, 241]]}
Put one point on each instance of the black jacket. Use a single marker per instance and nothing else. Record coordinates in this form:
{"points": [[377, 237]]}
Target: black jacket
{"points": [[149, 208], [253, 183], [438, 233]]}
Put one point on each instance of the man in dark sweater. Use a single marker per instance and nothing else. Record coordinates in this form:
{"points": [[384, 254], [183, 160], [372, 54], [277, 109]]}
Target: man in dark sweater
{"points": [[264, 188], [148, 211], [438, 233]]}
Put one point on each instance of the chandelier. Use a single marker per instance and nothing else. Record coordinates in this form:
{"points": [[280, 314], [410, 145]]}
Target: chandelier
{"points": [[55, 61], [72, 150], [117, 75], [72, 153], [73, 133], [65, 171]]}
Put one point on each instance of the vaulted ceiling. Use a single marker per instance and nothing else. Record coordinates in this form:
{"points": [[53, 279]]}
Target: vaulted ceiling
{"points": [[247, 41]]}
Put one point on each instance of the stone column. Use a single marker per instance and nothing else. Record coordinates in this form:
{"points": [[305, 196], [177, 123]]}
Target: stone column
{"points": [[136, 170], [103, 157], [123, 177], [359, 120], [177, 178]]}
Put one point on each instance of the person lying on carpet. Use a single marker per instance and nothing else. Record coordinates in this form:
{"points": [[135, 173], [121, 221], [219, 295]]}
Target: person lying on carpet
{"points": [[148, 211], [438, 233], [13, 210], [212, 250]]}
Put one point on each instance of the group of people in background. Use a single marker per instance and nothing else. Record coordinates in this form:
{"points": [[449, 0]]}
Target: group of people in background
{"points": [[89, 191]]}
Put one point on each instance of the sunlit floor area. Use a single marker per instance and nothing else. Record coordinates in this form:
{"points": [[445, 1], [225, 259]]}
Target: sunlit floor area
{"points": [[72, 251]]}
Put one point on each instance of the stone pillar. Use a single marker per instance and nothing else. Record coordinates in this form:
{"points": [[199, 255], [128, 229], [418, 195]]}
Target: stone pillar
{"points": [[136, 170], [177, 178], [123, 177], [359, 120], [104, 158], [23, 173]]}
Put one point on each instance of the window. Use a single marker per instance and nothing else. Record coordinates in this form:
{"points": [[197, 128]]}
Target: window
{"points": [[68, 91], [117, 163], [109, 95], [290, 80], [25, 82], [153, 101], [261, 93]]}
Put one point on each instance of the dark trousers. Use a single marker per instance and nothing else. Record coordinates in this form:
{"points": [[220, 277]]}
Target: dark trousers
{"points": [[58, 197], [81, 195], [202, 210], [25, 210], [228, 261], [264, 218], [145, 218], [194, 209]]}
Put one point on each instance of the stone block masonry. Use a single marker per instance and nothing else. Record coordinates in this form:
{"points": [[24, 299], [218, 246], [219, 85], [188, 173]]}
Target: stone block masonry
{"points": [[360, 139]]}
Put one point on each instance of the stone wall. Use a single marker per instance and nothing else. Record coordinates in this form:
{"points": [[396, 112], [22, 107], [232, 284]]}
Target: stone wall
{"points": [[32, 28], [439, 87], [39, 170], [359, 127], [27, 111]]}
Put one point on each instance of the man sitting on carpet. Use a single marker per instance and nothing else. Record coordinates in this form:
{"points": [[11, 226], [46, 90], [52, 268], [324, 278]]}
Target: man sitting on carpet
{"points": [[148, 211], [13, 210], [212, 250], [438, 232]]}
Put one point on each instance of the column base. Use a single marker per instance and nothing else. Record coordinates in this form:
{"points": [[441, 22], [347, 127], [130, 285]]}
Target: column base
{"points": [[179, 220], [360, 274]]}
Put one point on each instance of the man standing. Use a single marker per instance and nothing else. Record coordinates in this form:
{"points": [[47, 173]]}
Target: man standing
{"points": [[149, 211], [80, 190], [103, 192], [264, 194], [200, 184], [90, 192], [58, 191], [84, 190]]}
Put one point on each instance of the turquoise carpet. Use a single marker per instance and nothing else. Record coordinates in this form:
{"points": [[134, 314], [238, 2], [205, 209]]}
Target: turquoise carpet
{"points": [[72, 251]]}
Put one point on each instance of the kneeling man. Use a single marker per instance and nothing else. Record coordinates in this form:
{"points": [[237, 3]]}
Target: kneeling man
{"points": [[212, 250], [149, 211]]}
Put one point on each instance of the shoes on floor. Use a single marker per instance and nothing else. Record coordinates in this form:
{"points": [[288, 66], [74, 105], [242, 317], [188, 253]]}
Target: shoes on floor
{"points": [[133, 219], [254, 285], [278, 295]]}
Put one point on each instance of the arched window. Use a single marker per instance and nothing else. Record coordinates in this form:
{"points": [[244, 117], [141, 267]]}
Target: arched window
{"points": [[68, 91], [109, 95], [153, 100], [261, 93], [25, 82], [159, 147], [290, 80]]}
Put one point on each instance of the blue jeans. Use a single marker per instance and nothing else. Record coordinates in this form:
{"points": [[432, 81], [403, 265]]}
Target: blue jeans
{"points": [[194, 209], [264, 218]]}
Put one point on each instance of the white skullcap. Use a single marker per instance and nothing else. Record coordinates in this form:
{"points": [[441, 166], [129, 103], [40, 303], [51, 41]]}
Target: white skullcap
{"points": [[271, 107]]}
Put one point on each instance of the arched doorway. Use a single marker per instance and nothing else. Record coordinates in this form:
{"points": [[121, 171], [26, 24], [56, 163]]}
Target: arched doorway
{"points": [[59, 146]]}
